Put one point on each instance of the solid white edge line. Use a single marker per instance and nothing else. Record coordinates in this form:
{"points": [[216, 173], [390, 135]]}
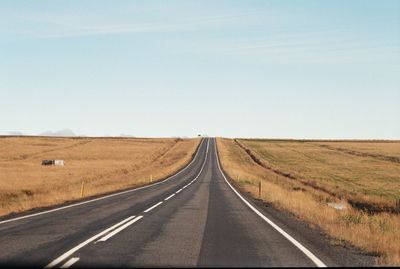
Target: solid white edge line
{"points": [[108, 236], [70, 262], [178, 191], [151, 208], [81, 245], [107, 196], [73, 250], [169, 197], [303, 249]]}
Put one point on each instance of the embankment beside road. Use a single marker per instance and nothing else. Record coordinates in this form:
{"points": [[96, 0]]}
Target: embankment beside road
{"points": [[306, 179]]}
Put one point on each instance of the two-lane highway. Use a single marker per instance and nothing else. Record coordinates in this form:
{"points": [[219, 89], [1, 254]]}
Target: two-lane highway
{"points": [[194, 218]]}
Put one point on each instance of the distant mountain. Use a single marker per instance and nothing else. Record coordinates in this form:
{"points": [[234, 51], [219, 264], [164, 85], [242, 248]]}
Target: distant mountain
{"points": [[126, 135], [64, 132], [15, 133]]}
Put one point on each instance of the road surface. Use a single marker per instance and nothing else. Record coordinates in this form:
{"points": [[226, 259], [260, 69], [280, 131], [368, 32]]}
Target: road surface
{"points": [[194, 218]]}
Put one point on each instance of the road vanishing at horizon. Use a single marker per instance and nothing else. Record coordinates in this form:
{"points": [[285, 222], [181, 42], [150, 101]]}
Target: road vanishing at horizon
{"points": [[193, 218]]}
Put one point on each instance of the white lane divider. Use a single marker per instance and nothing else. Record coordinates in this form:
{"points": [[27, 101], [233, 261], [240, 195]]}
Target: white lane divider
{"points": [[303, 249], [169, 197], [108, 236], [151, 208], [70, 262], [111, 229], [81, 245], [107, 196]]}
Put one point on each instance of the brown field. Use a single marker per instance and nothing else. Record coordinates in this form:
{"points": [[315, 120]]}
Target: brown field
{"points": [[103, 164], [302, 177]]}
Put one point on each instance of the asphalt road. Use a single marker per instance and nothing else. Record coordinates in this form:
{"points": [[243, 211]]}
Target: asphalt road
{"points": [[194, 218]]}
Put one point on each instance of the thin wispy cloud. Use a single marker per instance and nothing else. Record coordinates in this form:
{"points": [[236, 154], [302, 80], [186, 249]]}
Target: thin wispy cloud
{"points": [[64, 25]]}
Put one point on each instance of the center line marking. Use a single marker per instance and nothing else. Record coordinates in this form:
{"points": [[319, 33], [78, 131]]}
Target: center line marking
{"points": [[105, 238], [151, 208], [70, 262], [169, 197], [81, 245], [93, 238]]}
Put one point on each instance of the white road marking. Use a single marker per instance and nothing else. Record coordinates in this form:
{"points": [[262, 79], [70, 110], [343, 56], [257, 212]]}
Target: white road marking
{"points": [[70, 262], [151, 208], [105, 238], [93, 238], [178, 191], [303, 249], [169, 197], [81, 245], [107, 196]]}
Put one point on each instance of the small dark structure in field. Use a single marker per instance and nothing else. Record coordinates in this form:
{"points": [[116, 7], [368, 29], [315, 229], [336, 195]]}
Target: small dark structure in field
{"points": [[53, 162]]}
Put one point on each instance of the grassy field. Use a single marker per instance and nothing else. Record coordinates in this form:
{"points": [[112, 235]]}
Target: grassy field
{"points": [[104, 164], [306, 177]]}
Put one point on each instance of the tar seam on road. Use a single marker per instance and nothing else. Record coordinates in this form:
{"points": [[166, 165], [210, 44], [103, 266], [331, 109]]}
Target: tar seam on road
{"points": [[116, 228], [303, 249], [107, 196]]}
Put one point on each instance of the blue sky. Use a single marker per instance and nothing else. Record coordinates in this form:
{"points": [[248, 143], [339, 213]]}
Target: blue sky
{"points": [[277, 69]]}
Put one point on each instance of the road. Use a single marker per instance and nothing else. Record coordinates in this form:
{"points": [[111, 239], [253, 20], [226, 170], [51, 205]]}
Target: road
{"points": [[194, 218]]}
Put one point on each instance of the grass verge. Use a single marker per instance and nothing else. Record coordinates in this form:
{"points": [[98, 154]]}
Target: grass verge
{"points": [[103, 164], [375, 232]]}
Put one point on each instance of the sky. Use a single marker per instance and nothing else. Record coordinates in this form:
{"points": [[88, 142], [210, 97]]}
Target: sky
{"points": [[270, 69]]}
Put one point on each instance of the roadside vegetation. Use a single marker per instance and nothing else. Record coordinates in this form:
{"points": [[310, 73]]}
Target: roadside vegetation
{"points": [[102, 164], [311, 179]]}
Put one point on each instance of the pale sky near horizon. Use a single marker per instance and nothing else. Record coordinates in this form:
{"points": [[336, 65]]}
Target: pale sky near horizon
{"points": [[274, 69]]}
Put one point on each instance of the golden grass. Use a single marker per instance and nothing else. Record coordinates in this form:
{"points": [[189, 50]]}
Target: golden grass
{"points": [[363, 179], [376, 233], [104, 164]]}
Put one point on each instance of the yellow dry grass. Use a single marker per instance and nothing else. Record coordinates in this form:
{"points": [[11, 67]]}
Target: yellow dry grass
{"points": [[364, 179], [386, 148], [376, 233], [104, 164]]}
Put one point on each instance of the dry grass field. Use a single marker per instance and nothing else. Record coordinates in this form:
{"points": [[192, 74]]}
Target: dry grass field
{"points": [[103, 164], [306, 177]]}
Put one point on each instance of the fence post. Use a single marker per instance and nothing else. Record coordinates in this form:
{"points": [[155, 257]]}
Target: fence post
{"points": [[151, 178], [82, 188]]}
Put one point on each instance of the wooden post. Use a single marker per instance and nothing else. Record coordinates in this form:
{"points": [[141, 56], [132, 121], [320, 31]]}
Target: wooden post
{"points": [[151, 178], [259, 189], [237, 177], [82, 189]]}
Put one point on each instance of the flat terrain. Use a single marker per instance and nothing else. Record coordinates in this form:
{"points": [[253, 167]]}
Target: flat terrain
{"points": [[309, 178], [103, 164], [344, 168], [193, 218]]}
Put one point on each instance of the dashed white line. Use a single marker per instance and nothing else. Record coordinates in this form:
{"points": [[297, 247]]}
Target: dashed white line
{"points": [[169, 197], [108, 236], [151, 208], [107, 196], [303, 249], [81, 245], [70, 262]]}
